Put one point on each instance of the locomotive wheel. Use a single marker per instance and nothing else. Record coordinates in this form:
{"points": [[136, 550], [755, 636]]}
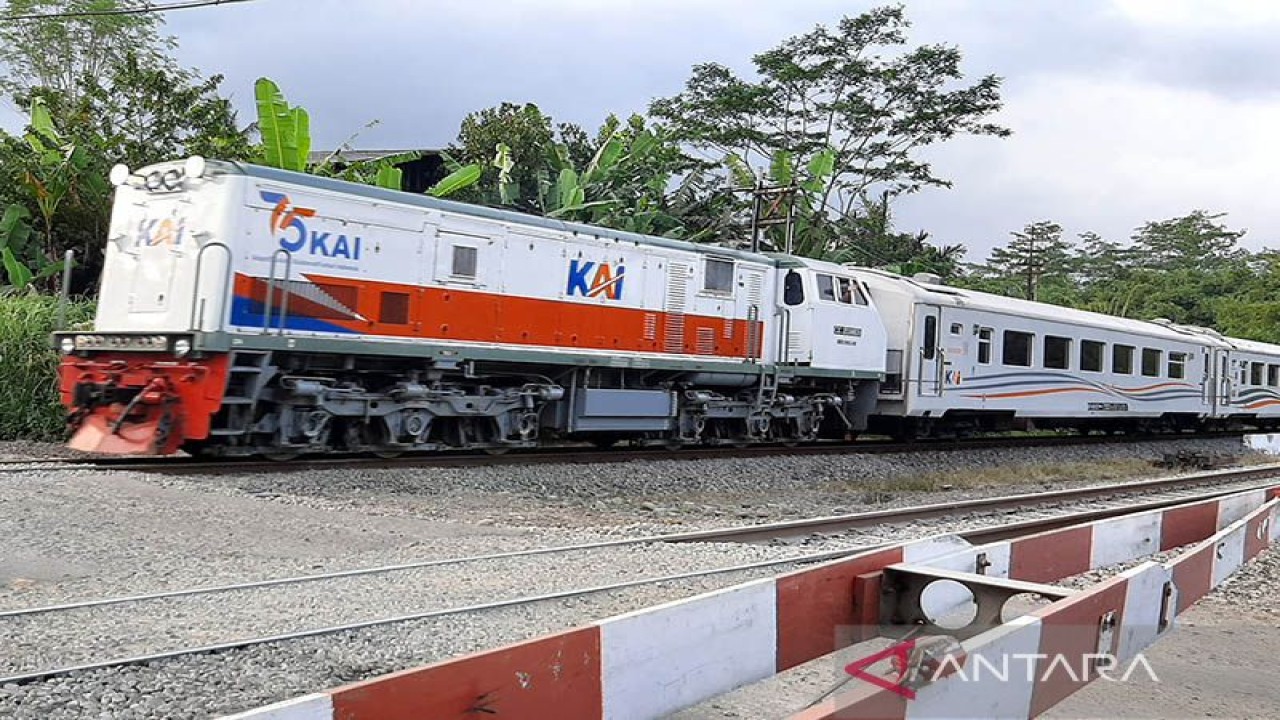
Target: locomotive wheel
{"points": [[281, 454]]}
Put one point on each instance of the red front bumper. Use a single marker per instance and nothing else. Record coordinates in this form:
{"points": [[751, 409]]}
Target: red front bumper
{"points": [[140, 403]]}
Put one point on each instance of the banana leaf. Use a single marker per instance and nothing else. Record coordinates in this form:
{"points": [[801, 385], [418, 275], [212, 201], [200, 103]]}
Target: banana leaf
{"points": [[279, 125], [19, 275], [463, 177]]}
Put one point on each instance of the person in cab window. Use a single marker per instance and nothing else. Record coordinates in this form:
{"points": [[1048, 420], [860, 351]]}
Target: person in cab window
{"points": [[846, 290]]}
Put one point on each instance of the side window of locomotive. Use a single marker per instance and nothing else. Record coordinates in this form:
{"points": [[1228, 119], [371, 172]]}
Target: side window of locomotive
{"points": [[957, 329], [1255, 373], [1057, 352], [984, 345], [1017, 348], [1151, 362], [793, 288], [718, 276], [394, 308], [1178, 365], [464, 262], [826, 288], [1122, 359], [849, 292], [930, 346], [1091, 352]]}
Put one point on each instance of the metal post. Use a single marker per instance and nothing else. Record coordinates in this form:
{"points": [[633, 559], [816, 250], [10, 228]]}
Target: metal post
{"points": [[64, 295]]}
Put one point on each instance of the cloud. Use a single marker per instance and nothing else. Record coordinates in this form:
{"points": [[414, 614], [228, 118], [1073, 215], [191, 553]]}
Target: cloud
{"points": [[1123, 110], [1106, 155]]}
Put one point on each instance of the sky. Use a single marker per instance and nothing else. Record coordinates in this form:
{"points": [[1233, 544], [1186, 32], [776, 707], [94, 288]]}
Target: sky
{"points": [[1122, 111]]}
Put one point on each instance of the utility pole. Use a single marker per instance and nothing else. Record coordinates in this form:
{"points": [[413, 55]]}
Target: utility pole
{"points": [[767, 210]]}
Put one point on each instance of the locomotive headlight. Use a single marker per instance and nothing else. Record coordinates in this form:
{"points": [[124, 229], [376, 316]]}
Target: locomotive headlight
{"points": [[67, 345], [181, 347], [194, 167]]}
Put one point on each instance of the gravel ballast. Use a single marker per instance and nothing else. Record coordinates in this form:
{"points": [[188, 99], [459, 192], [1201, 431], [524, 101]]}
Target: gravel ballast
{"points": [[86, 535]]}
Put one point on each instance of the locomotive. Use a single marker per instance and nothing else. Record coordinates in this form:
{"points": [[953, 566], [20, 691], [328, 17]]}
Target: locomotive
{"points": [[247, 310]]}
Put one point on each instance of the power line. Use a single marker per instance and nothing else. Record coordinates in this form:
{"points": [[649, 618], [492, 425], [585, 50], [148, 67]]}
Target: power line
{"points": [[144, 10]]}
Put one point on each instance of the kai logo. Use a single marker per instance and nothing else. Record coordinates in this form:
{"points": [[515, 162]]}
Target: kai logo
{"points": [[161, 232], [289, 227], [592, 279]]}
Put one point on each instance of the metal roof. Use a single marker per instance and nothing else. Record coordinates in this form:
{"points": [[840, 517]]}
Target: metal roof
{"points": [[480, 211]]}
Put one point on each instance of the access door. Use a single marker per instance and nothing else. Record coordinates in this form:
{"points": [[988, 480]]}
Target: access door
{"points": [[930, 355]]}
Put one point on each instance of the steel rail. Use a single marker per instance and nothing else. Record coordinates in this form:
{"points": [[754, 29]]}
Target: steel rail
{"points": [[742, 533], [976, 536], [495, 605], [583, 455]]}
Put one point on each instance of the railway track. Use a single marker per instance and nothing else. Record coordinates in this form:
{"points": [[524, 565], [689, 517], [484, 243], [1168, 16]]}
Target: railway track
{"points": [[576, 454], [146, 628]]}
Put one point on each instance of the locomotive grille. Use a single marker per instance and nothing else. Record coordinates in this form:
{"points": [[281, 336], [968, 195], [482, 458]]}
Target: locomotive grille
{"points": [[706, 341], [675, 304], [650, 326]]}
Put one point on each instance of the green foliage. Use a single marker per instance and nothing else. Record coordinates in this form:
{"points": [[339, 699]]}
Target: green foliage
{"points": [[29, 406], [534, 145], [1188, 269], [285, 129], [67, 56], [622, 180], [100, 90], [286, 144], [852, 88], [461, 178]]}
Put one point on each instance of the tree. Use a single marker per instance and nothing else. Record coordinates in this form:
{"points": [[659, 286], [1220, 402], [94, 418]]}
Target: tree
{"points": [[105, 83], [838, 88], [1039, 251], [533, 142], [66, 55]]}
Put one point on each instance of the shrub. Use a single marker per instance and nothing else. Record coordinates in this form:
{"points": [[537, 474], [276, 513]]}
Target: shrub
{"points": [[29, 406]]}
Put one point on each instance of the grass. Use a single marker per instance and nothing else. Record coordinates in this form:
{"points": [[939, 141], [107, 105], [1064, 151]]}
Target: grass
{"points": [[29, 407]]}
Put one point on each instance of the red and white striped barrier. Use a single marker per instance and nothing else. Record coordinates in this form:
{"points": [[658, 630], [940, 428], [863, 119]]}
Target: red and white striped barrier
{"points": [[1058, 644], [661, 659]]}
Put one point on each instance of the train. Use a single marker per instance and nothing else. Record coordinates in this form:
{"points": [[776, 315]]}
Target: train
{"points": [[246, 310]]}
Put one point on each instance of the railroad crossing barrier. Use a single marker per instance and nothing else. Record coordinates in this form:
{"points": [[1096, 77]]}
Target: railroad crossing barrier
{"points": [[662, 659]]}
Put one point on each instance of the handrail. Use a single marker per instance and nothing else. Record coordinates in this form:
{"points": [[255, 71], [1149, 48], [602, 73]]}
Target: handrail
{"points": [[195, 287], [284, 291]]}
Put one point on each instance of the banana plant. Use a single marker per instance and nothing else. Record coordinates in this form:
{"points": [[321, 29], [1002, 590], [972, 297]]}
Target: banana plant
{"points": [[459, 178], [285, 129]]}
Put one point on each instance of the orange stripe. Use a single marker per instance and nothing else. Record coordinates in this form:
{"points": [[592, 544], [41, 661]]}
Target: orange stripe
{"points": [[450, 313], [1150, 387], [1261, 404]]}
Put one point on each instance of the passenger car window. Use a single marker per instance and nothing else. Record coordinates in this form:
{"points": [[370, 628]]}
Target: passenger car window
{"points": [[1151, 362], [1255, 373], [1091, 352], [1057, 352], [1122, 359], [718, 276], [1178, 365], [1017, 348], [1273, 375], [984, 346]]}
